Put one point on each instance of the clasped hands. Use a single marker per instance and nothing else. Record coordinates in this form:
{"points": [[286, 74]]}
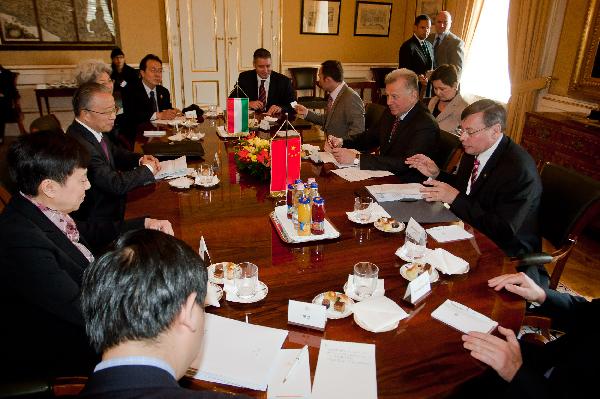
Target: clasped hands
{"points": [[344, 156], [152, 162], [258, 105], [168, 114], [435, 190]]}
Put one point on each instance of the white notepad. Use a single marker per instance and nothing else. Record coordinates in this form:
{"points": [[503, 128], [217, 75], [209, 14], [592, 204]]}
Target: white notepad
{"points": [[449, 233], [345, 370], [172, 168], [463, 318], [237, 353]]}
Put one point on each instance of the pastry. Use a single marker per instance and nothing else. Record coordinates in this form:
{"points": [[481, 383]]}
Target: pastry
{"points": [[230, 268], [339, 305], [218, 273], [387, 224], [413, 270]]}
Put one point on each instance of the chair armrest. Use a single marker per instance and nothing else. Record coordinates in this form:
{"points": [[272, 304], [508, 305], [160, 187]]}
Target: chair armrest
{"points": [[539, 258]]}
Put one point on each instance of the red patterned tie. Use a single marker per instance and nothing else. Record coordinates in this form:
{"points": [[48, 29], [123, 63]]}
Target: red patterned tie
{"points": [[262, 94], [394, 128], [104, 147], [474, 172]]}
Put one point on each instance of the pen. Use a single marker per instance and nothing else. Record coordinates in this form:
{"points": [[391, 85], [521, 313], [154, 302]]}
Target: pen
{"points": [[296, 361]]}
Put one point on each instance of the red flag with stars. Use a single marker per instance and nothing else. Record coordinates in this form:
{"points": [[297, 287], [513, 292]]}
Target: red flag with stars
{"points": [[280, 161]]}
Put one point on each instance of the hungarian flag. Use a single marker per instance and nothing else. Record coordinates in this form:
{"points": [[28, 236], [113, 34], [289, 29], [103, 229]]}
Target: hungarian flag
{"points": [[285, 155], [237, 115]]}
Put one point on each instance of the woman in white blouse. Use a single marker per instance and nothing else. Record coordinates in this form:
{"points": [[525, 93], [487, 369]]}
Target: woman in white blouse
{"points": [[447, 104]]}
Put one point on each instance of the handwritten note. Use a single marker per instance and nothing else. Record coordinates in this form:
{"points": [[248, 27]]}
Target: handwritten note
{"points": [[345, 370]]}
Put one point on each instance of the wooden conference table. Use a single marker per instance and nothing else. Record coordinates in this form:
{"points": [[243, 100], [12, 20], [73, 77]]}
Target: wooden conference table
{"points": [[422, 357]]}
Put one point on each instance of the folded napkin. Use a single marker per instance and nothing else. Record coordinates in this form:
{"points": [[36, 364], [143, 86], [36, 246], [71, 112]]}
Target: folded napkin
{"points": [[446, 262], [181, 182], [379, 290], [176, 137], [269, 118], [449, 233], [377, 212], [378, 314], [212, 295]]}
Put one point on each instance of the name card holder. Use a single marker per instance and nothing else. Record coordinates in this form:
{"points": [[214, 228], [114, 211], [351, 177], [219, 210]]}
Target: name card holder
{"points": [[418, 289], [307, 315]]}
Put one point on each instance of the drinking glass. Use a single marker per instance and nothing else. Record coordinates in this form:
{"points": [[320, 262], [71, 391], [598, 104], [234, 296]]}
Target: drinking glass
{"points": [[212, 110], [365, 279], [364, 209], [205, 174], [246, 279], [415, 246]]}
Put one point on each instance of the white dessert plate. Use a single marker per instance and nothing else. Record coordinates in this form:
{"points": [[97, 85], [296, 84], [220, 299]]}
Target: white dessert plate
{"points": [[433, 275], [332, 314]]}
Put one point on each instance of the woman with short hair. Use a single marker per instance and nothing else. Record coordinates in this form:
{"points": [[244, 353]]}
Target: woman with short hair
{"points": [[447, 104]]}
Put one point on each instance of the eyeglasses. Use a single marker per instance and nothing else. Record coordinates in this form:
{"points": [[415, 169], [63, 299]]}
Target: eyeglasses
{"points": [[155, 70], [115, 111], [459, 131]]}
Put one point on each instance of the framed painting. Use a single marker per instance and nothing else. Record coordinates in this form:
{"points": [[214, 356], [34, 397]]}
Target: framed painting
{"points": [[430, 8], [57, 24], [585, 80], [372, 19], [320, 17]]}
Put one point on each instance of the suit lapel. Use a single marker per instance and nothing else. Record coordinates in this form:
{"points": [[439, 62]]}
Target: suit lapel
{"points": [[334, 105], [489, 166], [89, 136]]}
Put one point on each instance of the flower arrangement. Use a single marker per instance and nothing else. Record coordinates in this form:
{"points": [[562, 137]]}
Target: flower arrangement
{"points": [[252, 156]]}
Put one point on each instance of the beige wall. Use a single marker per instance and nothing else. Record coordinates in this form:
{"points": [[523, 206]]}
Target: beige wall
{"points": [[345, 47], [142, 28], [570, 39]]}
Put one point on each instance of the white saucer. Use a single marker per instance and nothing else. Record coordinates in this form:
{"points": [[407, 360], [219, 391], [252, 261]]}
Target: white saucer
{"points": [[332, 314], [177, 183], [176, 137], [261, 293], [433, 276], [364, 327], [353, 218], [353, 295], [217, 288], [396, 230], [215, 181], [211, 273]]}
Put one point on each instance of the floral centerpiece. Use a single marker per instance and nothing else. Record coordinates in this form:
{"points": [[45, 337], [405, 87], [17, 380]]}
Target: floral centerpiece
{"points": [[252, 156]]}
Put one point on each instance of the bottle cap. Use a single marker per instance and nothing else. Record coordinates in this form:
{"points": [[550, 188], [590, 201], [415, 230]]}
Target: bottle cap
{"points": [[300, 186], [318, 200], [304, 200], [314, 185]]}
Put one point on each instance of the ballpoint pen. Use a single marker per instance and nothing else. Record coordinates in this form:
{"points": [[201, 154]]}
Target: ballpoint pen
{"points": [[296, 361]]}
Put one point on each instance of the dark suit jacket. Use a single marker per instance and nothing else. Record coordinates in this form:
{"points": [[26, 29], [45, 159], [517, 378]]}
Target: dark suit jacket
{"points": [[504, 200], [418, 133], [122, 382], [573, 356], [40, 278], [412, 56], [101, 214], [280, 92], [137, 105]]}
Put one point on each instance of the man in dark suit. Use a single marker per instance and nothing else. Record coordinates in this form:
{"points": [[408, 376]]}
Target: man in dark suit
{"points": [[447, 47], [497, 188], [405, 129], [145, 350], [145, 99], [345, 113], [42, 259], [113, 171], [417, 54], [561, 368], [267, 90]]}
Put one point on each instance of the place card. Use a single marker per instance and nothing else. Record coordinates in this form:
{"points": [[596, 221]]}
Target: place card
{"points": [[463, 318], [415, 230], [417, 289], [203, 250], [190, 114], [307, 315]]}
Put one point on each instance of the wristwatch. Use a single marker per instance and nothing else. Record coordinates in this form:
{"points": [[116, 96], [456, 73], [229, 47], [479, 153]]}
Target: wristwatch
{"points": [[357, 160]]}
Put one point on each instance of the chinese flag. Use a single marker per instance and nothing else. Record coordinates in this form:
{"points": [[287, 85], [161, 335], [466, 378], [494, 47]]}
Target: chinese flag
{"points": [[280, 157]]}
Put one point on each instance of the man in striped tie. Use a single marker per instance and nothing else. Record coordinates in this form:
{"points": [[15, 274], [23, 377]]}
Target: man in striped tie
{"points": [[496, 189]]}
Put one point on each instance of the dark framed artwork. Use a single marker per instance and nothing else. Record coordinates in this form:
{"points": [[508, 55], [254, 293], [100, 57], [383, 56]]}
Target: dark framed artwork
{"points": [[430, 8], [57, 24], [320, 17], [372, 19], [585, 80]]}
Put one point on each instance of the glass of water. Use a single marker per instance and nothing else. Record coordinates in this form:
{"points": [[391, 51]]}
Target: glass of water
{"points": [[246, 279], [365, 279]]}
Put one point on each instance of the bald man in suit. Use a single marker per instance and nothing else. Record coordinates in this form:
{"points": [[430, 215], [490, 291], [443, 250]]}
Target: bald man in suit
{"points": [[447, 47]]}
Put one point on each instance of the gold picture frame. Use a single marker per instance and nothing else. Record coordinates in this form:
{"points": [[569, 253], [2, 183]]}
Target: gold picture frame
{"points": [[585, 80]]}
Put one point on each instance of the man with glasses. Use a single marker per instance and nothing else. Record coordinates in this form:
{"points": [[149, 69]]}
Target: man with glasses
{"points": [[496, 189], [112, 171]]}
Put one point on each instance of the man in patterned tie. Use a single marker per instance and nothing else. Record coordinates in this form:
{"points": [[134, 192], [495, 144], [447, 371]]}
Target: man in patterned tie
{"points": [[447, 47], [416, 53], [496, 189], [406, 128], [267, 90], [112, 171]]}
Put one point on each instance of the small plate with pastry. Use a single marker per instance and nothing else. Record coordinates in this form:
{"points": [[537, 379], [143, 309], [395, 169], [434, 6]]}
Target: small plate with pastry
{"points": [[388, 225], [338, 305], [217, 272], [411, 271]]}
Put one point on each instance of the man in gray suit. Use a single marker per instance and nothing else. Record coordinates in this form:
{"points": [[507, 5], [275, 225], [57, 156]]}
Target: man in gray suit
{"points": [[345, 112], [448, 48]]}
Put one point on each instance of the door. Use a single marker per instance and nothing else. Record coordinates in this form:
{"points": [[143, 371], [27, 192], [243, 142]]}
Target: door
{"points": [[212, 41]]}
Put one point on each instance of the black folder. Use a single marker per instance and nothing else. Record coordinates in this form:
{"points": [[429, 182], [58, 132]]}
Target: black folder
{"points": [[420, 210], [174, 149]]}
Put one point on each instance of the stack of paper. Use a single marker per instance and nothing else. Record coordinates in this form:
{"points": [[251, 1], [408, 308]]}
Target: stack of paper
{"points": [[297, 383], [172, 168], [463, 318], [237, 353], [449, 233], [355, 174], [396, 192], [345, 370]]}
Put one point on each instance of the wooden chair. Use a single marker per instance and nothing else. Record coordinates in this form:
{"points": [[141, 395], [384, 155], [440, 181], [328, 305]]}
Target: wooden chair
{"points": [[46, 122], [42, 387], [379, 78], [4, 197], [373, 113], [305, 78], [449, 151], [368, 85], [569, 202]]}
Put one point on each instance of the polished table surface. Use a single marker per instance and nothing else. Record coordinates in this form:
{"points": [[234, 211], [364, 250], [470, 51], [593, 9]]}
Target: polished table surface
{"points": [[422, 357]]}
